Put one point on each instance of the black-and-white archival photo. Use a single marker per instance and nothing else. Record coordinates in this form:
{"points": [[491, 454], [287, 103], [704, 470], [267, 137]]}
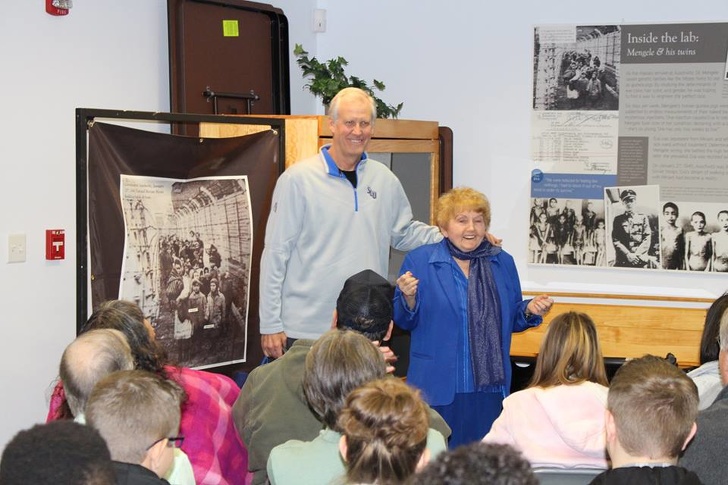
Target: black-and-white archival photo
{"points": [[694, 236], [187, 262], [633, 225], [576, 68], [567, 231]]}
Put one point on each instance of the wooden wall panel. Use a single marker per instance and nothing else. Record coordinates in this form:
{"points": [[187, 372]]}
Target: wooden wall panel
{"points": [[301, 134], [631, 330]]}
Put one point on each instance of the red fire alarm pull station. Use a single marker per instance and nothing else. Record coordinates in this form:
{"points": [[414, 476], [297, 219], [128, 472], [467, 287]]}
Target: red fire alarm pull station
{"points": [[58, 7], [55, 244]]}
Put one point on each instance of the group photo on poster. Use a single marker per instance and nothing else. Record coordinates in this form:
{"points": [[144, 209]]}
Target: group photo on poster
{"points": [[186, 263], [567, 231], [577, 69]]}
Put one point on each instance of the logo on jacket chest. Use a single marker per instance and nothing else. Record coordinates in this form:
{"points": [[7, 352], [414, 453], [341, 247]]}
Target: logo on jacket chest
{"points": [[372, 193]]}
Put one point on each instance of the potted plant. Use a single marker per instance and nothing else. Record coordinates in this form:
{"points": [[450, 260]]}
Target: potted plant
{"points": [[328, 78]]}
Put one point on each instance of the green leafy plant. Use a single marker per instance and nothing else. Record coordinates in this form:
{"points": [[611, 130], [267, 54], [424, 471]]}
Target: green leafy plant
{"points": [[328, 78]]}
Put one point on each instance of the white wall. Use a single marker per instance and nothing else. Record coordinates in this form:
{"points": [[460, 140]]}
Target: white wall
{"points": [[300, 26], [465, 64], [104, 54]]}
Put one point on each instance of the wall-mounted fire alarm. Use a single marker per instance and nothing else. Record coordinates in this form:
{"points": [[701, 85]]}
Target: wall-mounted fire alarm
{"points": [[58, 7], [55, 244]]}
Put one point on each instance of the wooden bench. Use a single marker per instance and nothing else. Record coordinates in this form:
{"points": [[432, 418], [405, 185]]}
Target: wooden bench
{"points": [[629, 326]]}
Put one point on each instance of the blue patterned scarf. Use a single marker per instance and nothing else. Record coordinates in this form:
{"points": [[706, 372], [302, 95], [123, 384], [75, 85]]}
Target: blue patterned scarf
{"points": [[484, 316]]}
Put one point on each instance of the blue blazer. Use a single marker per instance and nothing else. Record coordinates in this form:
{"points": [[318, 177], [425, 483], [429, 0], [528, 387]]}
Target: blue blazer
{"points": [[434, 321]]}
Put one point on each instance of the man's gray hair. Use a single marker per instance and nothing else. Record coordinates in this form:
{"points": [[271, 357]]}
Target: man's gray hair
{"points": [[351, 92]]}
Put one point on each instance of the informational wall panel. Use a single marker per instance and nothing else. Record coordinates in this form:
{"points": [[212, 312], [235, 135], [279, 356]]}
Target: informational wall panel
{"points": [[629, 143]]}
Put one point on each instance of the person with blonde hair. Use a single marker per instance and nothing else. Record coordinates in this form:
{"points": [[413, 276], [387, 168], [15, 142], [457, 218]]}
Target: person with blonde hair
{"points": [[384, 427], [461, 300], [558, 420], [138, 415]]}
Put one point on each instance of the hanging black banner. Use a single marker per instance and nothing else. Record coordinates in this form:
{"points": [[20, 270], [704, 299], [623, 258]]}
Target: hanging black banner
{"points": [[176, 224]]}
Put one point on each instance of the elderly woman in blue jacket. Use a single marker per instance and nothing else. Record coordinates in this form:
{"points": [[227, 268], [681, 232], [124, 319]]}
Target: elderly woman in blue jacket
{"points": [[461, 299]]}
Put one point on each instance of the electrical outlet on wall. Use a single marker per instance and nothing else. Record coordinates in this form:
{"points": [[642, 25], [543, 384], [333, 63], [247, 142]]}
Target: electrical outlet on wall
{"points": [[16, 248], [319, 20]]}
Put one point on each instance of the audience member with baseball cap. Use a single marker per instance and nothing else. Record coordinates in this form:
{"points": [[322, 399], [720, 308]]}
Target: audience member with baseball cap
{"points": [[272, 408]]}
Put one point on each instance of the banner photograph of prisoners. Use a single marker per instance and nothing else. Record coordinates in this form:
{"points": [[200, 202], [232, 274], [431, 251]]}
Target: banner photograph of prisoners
{"points": [[187, 262], [629, 137], [176, 225]]}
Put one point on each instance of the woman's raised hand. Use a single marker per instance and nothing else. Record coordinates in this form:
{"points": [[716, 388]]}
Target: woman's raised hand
{"points": [[407, 284]]}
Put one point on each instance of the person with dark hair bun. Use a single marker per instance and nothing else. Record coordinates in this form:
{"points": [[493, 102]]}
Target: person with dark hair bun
{"points": [[384, 426], [125, 317]]}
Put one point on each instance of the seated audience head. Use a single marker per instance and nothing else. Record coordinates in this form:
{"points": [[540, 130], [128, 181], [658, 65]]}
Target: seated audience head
{"points": [[384, 425], [478, 463], [60, 452], [651, 410], [138, 414], [709, 347], [339, 362], [128, 318], [365, 306], [570, 353], [89, 358]]}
